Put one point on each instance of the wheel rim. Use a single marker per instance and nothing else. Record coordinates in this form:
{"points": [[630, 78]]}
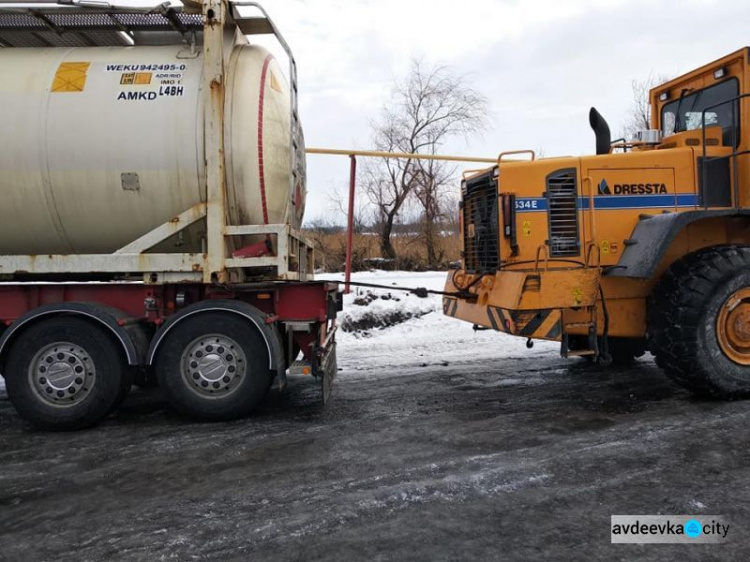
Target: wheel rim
{"points": [[62, 374], [213, 365], [733, 327]]}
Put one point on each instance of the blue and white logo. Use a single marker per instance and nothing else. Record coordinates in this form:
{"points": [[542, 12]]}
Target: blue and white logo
{"points": [[693, 528]]}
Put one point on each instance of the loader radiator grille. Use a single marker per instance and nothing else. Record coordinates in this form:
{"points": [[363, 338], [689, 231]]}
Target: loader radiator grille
{"points": [[481, 224], [562, 199]]}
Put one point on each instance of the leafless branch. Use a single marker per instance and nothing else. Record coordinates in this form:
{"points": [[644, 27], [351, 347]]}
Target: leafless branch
{"points": [[428, 108]]}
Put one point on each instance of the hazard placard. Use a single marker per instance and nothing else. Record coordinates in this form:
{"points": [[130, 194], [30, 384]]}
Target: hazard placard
{"points": [[70, 77]]}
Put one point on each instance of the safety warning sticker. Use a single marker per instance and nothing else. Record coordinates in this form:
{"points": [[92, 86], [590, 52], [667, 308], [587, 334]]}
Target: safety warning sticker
{"points": [[70, 77], [136, 78]]}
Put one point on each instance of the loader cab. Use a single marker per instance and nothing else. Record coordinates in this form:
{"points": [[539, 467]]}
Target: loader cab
{"points": [[687, 112], [707, 109]]}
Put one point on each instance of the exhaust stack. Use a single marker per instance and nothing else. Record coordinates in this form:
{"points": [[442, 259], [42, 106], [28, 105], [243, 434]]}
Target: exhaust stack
{"points": [[601, 130]]}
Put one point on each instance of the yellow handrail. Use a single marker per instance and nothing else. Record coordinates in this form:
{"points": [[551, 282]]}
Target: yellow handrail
{"points": [[625, 144], [470, 172], [508, 152], [383, 154], [589, 251], [546, 257], [592, 216]]}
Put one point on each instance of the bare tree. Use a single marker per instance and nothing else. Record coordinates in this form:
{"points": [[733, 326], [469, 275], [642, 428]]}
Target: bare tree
{"points": [[322, 230], [432, 190], [428, 108], [639, 114], [338, 199]]}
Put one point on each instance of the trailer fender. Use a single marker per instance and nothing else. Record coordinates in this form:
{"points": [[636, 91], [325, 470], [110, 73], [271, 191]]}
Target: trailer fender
{"points": [[652, 236], [253, 315], [132, 339]]}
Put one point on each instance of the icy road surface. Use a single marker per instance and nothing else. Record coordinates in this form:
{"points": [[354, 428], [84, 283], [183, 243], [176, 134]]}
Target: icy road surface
{"points": [[439, 444]]}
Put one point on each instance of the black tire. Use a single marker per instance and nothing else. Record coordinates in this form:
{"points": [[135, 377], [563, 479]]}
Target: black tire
{"points": [[682, 321], [92, 350], [189, 386]]}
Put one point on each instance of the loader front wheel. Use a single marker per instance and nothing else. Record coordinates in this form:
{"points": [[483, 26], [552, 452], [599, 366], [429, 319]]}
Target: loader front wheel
{"points": [[699, 322]]}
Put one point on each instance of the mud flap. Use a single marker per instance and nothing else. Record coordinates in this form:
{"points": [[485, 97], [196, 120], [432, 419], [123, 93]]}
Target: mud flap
{"points": [[323, 366], [326, 371]]}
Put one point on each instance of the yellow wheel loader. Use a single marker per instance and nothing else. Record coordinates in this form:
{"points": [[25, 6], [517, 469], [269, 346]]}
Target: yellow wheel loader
{"points": [[644, 246]]}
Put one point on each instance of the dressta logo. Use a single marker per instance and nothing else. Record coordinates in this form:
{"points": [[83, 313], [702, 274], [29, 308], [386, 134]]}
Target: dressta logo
{"points": [[632, 188]]}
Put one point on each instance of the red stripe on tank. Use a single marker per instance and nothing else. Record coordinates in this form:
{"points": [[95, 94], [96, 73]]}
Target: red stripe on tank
{"points": [[261, 170]]}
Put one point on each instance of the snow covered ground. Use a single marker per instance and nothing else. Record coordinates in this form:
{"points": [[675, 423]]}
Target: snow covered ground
{"points": [[437, 340]]}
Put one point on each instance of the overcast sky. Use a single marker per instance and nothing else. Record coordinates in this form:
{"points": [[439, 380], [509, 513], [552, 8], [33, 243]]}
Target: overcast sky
{"points": [[541, 64]]}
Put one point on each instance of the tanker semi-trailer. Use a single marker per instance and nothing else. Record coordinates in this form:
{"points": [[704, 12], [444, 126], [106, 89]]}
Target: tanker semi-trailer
{"points": [[153, 179]]}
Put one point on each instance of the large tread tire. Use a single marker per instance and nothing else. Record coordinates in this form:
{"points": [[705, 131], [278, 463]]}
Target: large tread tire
{"points": [[235, 399], [682, 319], [112, 380]]}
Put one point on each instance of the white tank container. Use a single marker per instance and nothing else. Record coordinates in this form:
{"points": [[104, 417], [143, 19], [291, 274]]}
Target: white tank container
{"points": [[100, 145]]}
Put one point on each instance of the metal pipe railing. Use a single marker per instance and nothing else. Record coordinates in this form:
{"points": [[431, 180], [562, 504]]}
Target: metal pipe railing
{"points": [[352, 154], [733, 156], [382, 154]]}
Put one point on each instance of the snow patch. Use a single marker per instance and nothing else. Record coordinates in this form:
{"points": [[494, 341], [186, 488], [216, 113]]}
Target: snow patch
{"points": [[428, 339], [378, 309]]}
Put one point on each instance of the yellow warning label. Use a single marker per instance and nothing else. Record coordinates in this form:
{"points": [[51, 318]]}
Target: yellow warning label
{"points": [[275, 83], [143, 78], [605, 247], [577, 296], [135, 78], [70, 77], [527, 228]]}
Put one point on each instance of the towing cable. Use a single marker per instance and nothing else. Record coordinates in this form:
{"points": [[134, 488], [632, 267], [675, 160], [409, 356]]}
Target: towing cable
{"points": [[421, 292]]}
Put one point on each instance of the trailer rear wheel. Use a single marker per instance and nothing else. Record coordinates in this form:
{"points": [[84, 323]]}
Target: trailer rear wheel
{"points": [[64, 373], [699, 322], [214, 366]]}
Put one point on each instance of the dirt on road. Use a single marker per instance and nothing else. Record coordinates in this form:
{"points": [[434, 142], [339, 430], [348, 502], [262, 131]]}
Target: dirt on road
{"points": [[515, 459]]}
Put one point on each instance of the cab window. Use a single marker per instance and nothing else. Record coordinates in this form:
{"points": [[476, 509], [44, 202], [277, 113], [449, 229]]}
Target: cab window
{"points": [[685, 114]]}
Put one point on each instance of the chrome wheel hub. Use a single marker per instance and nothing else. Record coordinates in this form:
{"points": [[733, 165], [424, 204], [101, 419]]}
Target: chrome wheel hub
{"points": [[62, 374], [213, 365]]}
